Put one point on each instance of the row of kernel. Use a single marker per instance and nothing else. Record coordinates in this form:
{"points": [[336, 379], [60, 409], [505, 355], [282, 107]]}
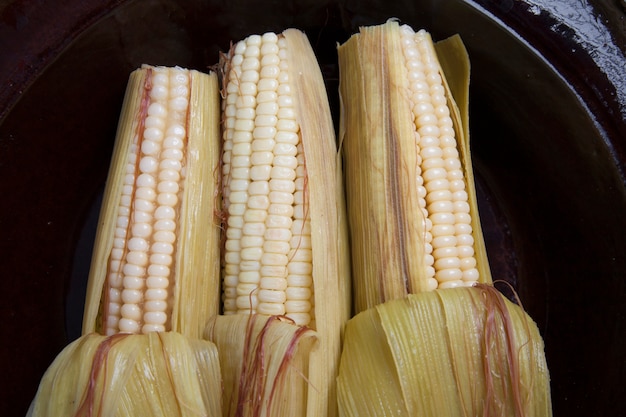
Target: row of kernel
{"points": [[239, 120], [415, 79], [453, 167], [279, 156]]}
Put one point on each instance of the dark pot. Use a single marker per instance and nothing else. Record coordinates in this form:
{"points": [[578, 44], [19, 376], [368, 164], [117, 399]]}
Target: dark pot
{"points": [[548, 126]]}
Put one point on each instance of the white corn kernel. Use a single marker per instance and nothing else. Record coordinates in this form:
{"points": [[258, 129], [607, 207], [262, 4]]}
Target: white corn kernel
{"points": [[140, 259], [264, 232], [443, 197]]}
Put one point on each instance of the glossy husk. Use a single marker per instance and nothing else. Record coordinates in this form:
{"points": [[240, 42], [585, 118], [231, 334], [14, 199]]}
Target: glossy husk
{"points": [[452, 352], [331, 257], [408, 351]]}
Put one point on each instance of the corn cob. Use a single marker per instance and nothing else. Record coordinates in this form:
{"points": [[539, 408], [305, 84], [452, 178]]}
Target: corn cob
{"points": [[285, 237], [416, 239], [409, 183], [155, 265]]}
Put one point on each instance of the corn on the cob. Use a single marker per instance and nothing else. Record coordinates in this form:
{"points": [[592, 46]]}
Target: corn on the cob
{"points": [[157, 374], [407, 186], [286, 247], [155, 265], [415, 230]]}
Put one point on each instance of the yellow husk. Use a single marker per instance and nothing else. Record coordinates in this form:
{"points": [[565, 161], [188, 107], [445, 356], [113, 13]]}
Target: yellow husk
{"points": [[265, 363], [331, 261], [197, 283], [197, 294], [380, 159], [126, 129], [454, 352], [159, 374]]}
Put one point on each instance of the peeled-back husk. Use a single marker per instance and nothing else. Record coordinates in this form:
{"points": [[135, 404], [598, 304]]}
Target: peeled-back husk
{"points": [[446, 353], [330, 251], [265, 364], [157, 374]]}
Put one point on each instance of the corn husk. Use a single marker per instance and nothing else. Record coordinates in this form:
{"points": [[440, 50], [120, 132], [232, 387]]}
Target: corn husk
{"points": [[158, 374], [452, 352], [265, 363], [331, 259], [455, 67]]}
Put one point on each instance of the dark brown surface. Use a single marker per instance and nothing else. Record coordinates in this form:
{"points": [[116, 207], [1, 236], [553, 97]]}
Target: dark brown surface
{"points": [[548, 140]]}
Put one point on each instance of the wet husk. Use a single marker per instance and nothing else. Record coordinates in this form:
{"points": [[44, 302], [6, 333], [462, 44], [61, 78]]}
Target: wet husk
{"points": [[331, 258]]}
